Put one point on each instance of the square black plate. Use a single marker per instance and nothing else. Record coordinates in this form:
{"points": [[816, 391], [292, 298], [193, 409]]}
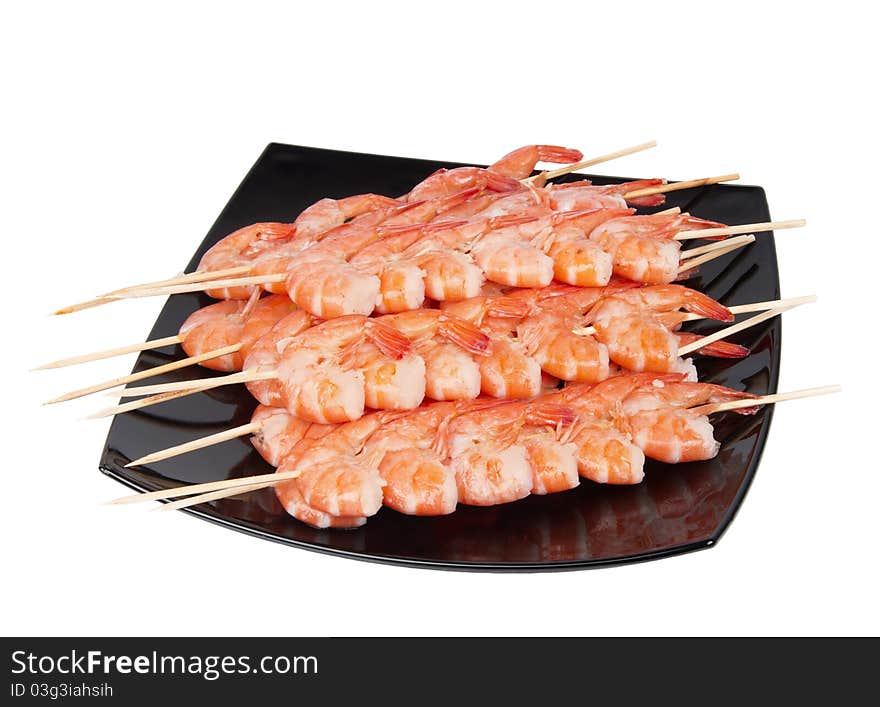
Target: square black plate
{"points": [[677, 509]]}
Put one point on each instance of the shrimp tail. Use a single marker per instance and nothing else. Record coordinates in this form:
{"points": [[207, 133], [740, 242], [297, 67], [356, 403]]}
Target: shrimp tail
{"points": [[558, 155], [463, 334], [508, 308], [550, 414], [699, 303], [387, 339], [717, 349], [692, 223]]}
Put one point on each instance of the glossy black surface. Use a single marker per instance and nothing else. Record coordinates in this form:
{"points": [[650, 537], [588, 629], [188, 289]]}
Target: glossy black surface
{"points": [[677, 509]]}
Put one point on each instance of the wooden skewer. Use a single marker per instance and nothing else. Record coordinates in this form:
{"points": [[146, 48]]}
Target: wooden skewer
{"points": [[552, 174], [193, 489], [210, 440], [734, 230], [123, 380], [138, 404], [672, 210], [676, 186], [712, 408], [122, 293], [715, 245], [729, 247], [214, 495], [209, 285], [735, 309], [109, 353], [732, 329], [200, 383]]}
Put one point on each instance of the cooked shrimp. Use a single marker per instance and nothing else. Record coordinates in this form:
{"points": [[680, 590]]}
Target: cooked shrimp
{"points": [[242, 247], [334, 479], [491, 466], [448, 345], [628, 324], [326, 214], [418, 479], [643, 247], [582, 194], [667, 430], [280, 432], [606, 453], [231, 322], [520, 163]]}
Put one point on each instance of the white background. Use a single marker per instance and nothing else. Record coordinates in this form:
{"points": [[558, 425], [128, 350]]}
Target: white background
{"points": [[124, 133]]}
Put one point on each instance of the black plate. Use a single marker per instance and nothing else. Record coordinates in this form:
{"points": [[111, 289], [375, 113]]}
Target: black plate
{"points": [[677, 509]]}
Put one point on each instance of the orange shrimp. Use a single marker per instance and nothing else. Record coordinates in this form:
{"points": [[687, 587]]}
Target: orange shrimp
{"points": [[630, 324], [447, 344], [330, 372], [574, 196], [501, 176], [491, 464], [280, 432], [242, 247], [326, 214], [231, 322], [418, 479], [520, 163], [265, 353], [601, 433], [667, 430], [334, 478], [643, 247]]}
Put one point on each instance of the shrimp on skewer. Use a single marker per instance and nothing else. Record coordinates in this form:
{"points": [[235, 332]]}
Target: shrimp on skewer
{"points": [[231, 322], [501, 176], [630, 324], [491, 463], [665, 427], [643, 247], [448, 345]]}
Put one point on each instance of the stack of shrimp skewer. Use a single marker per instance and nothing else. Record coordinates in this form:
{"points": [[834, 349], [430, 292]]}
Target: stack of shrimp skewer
{"points": [[481, 290]]}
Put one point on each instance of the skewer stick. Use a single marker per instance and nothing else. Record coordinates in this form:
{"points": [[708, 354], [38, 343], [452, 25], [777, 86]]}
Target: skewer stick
{"points": [[676, 186], [173, 366], [732, 329], [672, 210], [552, 174], [783, 304], [734, 230], [193, 489], [712, 408], [729, 247], [210, 440], [208, 285], [213, 496], [715, 245], [138, 404], [122, 293], [200, 384], [109, 353]]}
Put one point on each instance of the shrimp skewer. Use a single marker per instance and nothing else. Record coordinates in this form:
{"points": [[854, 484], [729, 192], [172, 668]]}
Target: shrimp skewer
{"points": [[330, 372], [636, 402]]}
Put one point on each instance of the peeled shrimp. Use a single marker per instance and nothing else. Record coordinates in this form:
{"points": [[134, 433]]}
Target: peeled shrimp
{"points": [[231, 322], [501, 176], [630, 324], [667, 430], [643, 247]]}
